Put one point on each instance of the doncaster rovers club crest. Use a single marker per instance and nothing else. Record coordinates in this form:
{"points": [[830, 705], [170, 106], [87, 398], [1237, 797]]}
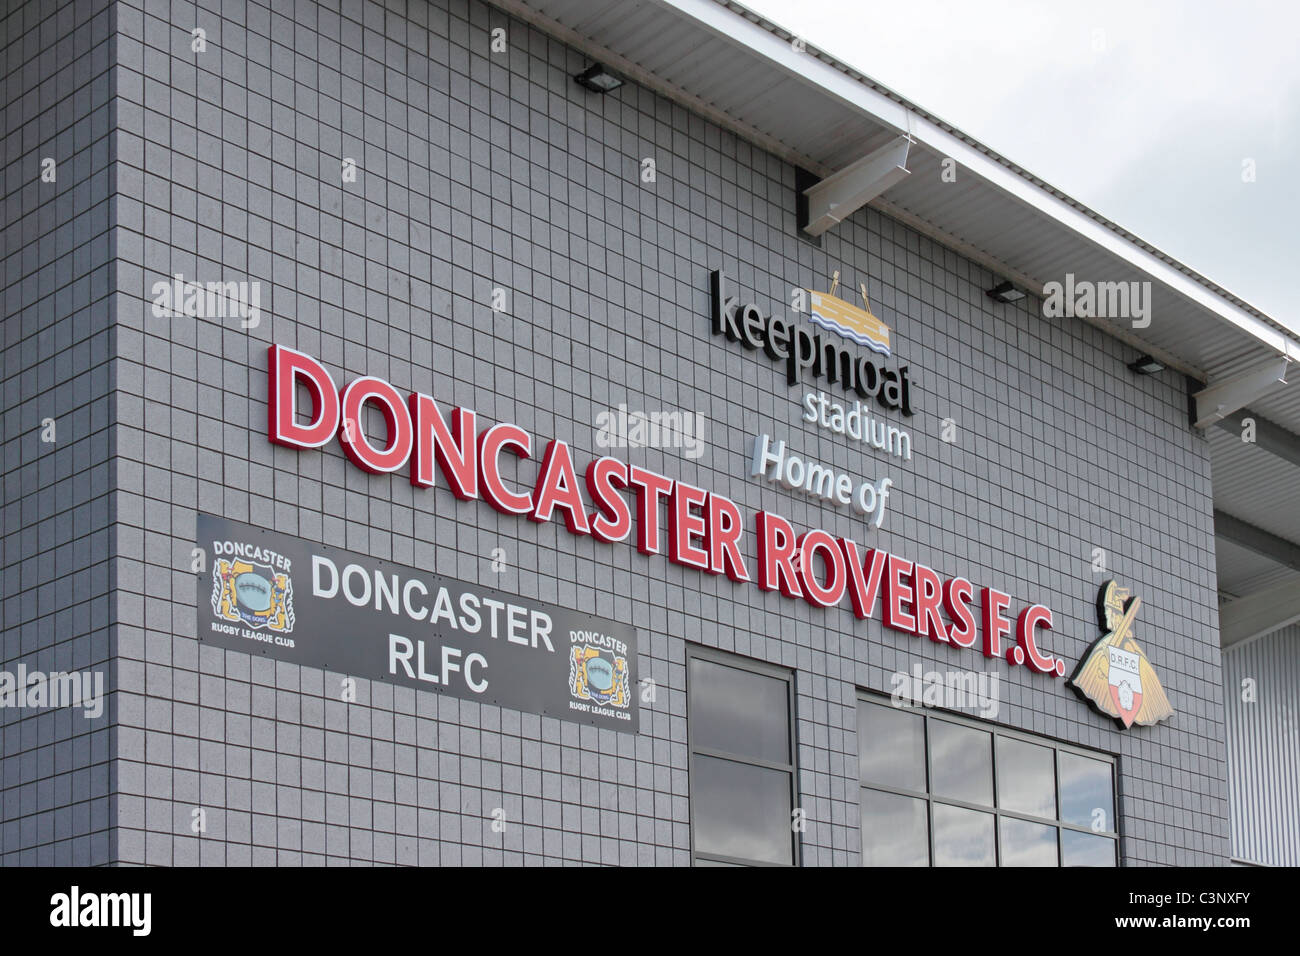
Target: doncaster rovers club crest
{"points": [[244, 592], [1115, 675]]}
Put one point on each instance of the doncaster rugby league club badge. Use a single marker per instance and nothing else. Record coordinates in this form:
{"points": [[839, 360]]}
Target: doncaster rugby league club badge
{"points": [[1115, 675], [252, 594], [598, 676]]}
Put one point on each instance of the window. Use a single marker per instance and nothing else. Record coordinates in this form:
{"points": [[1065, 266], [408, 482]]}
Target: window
{"points": [[941, 790], [742, 775]]}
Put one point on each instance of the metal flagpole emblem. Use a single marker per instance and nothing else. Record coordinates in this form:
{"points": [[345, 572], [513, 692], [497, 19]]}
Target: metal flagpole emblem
{"points": [[1115, 675]]}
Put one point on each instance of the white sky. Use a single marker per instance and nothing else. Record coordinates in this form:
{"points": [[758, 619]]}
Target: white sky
{"points": [[1150, 131]]}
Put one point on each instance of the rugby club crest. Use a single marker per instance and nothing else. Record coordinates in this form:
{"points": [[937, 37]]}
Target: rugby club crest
{"points": [[598, 676], [1115, 675], [253, 594]]}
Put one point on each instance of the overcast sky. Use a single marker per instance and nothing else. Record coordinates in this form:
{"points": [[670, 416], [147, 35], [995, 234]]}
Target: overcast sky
{"points": [[1144, 111]]}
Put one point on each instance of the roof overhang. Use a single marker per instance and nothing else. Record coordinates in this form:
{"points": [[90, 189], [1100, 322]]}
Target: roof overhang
{"points": [[750, 76]]}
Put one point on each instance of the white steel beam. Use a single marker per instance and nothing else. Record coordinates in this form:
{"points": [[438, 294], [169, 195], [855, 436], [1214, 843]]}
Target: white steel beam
{"points": [[1260, 613], [843, 193], [1256, 539], [1220, 399]]}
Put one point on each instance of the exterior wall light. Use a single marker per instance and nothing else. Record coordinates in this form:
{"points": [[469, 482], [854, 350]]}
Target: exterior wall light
{"points": [[1005, 292], [1146, 365], [598, 79]]}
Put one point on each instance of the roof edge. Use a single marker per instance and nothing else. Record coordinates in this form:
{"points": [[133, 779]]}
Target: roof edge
{"points": [[820, 70]]}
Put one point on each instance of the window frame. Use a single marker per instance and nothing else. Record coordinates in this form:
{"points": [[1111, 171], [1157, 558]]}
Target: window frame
{"points": [[763, 669], [995, 730]]}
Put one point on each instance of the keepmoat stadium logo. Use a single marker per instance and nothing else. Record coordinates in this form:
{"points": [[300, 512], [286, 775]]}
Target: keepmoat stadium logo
{"points": [[806, 352], [1115, 675], [856, 325], [252, 592]]}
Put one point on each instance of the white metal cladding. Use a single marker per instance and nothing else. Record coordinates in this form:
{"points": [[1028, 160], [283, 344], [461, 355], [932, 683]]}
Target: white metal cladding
{"points": [[1264, 748], [1282, 405], [1243, 572], [1254, 485]]}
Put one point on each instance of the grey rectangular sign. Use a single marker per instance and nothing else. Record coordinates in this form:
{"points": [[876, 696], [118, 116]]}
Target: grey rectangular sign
{"points": [[295, 600]]}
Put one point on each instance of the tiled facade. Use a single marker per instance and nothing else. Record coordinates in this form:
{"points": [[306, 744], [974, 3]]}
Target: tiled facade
{"points": [[480, 170], [56, 570]]}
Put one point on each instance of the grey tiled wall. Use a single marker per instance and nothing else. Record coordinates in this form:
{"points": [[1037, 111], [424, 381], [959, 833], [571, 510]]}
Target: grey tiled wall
{"points": [[480, 170], [56, 576]]}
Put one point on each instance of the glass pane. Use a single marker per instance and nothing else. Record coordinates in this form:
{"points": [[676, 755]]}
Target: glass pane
{"points": [[1027, 844], [1087, 795], [962, 837], [1026, 779], [1084, 849], [739, 712], [741, 811], [894, 830], [891, 747], [961, 761]]}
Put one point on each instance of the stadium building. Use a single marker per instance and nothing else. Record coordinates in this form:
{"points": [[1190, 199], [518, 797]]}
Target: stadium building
{"points": [[445, 432]]}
